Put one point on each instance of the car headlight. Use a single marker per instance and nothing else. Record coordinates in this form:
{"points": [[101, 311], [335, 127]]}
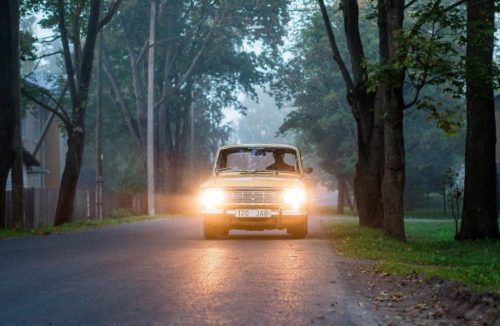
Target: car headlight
{"points": [[294, 197], [211, 198]]}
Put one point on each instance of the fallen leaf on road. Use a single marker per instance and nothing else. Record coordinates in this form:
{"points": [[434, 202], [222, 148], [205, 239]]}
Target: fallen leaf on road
{"points": [[421, 306]]}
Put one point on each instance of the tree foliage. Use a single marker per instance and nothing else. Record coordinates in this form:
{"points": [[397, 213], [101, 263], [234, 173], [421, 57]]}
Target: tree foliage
{"points": [[78, 24], [204, 59], [322, 116]]}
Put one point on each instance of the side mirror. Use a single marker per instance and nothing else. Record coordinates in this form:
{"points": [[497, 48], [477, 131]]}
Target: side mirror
{"points": [[308, 170]]}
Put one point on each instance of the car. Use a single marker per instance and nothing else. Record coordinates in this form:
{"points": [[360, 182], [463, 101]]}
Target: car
{"points": [[256, 187]]}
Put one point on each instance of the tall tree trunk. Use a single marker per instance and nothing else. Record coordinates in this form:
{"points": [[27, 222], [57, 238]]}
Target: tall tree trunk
{"points": [[341, 194], [69, 180], [175, 172], [479, 217], [99, 179], [9, 92], [151, 103], [3, 198], [162, 146], [394, 173], [79, 96], [394, 154], [17, 175], [348, 196], [369, 168], [370, 164]]}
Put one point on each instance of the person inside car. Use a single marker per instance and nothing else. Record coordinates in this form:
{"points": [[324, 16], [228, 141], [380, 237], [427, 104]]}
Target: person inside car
{"points": [[279, 163]]}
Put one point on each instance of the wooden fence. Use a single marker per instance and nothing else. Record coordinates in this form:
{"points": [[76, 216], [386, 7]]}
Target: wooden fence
{"points": [[40, 205]]}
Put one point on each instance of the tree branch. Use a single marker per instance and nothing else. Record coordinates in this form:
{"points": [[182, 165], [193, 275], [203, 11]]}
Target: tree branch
{"points": [[410, 3], [141, 52], [136, 81], [435, 11], [356, 52], [48, 39], [113, 8], [45, 56], [121, 101], [67, 53], [206, 39], [87, 60], [333, 44], [77, 44], [61, 114], [425, 74]]}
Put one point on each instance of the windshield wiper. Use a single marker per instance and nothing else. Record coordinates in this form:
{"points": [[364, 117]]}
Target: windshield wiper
{"points": [[257, 171], [227, 169]]}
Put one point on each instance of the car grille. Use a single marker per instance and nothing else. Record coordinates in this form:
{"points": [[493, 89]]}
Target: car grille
{"points": [[253, 196]]}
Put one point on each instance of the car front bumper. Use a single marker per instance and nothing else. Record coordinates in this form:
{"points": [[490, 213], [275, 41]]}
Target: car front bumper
{"points": [[280, 219]]}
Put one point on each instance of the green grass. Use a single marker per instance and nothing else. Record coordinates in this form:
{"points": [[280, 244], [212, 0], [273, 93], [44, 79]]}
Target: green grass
{"points": [[428, 214], [74, 226], [429, 249]]}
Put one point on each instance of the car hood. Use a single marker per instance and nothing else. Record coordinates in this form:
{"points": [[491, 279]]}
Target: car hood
{"points": [[284, 180]]}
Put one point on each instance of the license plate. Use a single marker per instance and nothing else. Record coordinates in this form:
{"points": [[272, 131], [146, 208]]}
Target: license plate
{"points": [[248, 213]]}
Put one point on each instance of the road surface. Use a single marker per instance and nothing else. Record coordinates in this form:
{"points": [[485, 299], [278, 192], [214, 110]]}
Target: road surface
{"points": [[162, 272]]}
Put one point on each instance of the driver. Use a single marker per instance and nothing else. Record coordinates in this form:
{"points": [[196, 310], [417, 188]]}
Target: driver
{"points": [[279, 163]]}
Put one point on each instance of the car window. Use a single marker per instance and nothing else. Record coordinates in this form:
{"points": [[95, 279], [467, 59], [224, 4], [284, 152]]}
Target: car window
{"points": [[258, 159]]}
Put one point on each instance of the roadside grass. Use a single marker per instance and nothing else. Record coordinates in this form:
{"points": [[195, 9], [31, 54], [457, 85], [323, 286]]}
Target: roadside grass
{"points": [[75, 226], [428, 214], [429, 250]]}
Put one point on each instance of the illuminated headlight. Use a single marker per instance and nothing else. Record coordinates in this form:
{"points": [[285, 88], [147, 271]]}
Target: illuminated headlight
{"points": [[211, 198], [294, 197]]}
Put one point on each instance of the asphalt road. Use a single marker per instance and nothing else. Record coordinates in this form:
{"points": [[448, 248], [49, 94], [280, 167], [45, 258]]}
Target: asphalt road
{"points": [[163, 273]]}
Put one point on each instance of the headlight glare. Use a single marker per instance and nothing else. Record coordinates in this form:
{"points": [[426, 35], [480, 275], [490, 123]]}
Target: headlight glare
{"points": [[295, 197], [211, 198]]}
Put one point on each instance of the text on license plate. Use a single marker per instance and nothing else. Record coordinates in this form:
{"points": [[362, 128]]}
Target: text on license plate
{"points": [[258, 213]]}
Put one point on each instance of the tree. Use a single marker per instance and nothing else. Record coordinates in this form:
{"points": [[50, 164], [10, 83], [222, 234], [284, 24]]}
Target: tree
{"points": [[429, 153], [368, 117], [150, 111], [321, 119], [201, 58], [413, 56], [78, 81], [10, 137], [479, 217], [78, 62], [392, 13]]}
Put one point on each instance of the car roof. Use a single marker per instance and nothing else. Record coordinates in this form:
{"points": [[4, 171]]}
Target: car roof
{"points": [[259, 146]]}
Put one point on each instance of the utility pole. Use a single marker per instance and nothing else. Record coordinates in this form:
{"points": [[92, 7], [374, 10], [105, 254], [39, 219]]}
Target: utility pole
{"points": [[99, 155], [191, 135], [150, 124], [17, 166]]}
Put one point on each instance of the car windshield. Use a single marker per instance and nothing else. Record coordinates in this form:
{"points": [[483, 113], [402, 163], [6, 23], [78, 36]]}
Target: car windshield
{"points": [[258, 159]]}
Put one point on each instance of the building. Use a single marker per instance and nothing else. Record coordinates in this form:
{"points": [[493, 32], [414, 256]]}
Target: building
{"points": [[42, 137]]}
